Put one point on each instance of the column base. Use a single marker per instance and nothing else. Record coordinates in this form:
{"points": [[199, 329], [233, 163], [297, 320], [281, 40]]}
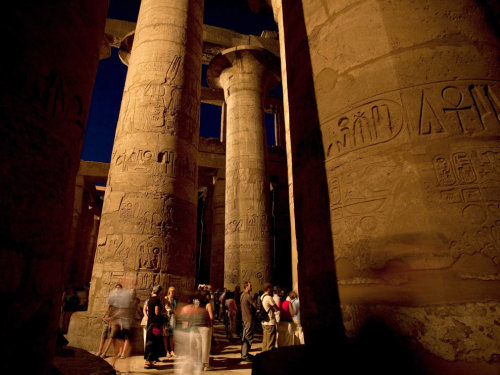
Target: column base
{"points": [[85, 331]]}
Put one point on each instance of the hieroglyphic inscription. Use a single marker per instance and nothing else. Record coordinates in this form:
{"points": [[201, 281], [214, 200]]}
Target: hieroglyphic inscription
{"points": [[148, 160], [372, 123], [470, 181], [361, 196], [152, 106], [441, 108], [150, 253], [247, 184], [453, 108], [255, 226], [109, 247], [155, 105], [147, 215]]}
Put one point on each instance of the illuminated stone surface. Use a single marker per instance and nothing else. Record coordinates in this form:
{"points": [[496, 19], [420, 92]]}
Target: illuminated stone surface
{"points": [[146, 236], [246, 73]]}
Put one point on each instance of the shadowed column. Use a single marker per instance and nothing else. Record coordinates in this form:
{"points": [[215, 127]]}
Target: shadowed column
{"points": [[217, 254], [246, 74], [46, 86]]}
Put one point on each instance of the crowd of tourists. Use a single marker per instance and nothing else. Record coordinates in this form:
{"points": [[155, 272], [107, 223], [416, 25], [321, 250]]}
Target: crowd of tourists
{"points": [[183, 330]]}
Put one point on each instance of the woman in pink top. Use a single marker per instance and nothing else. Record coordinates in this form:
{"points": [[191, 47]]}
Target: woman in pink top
{"points": [[285, 325]]}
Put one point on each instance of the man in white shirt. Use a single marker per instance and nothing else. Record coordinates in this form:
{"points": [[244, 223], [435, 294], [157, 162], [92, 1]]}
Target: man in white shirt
{"points": [[269, 326]]}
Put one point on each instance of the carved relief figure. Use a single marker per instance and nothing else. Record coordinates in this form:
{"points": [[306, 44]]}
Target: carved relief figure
{"points": [[150, 253]]}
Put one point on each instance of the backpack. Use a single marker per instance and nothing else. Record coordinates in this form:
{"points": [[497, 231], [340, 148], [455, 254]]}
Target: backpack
{"points": [[262, 314]]}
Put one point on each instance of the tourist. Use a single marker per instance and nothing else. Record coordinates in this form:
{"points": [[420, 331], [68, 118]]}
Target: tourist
{"points": [[105, 341], [237, 298], [206, 329], [144, 321], [298, 334], [169, 323], [230, 309], [269, 326], [188, 338], [217, 295], [154, 340], [110, 330], [222, 300], [285, 325], [124, 313], [247, 315]]}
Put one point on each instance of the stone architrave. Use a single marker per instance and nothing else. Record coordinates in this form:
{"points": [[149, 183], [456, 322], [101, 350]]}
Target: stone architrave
{"points": [[148, 226], [246, 74], [46, 87]]}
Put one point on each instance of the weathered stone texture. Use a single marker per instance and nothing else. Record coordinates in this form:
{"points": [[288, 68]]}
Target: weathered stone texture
{"points": [[148, 221], [463, 332], [246, 74], [408, 100]]}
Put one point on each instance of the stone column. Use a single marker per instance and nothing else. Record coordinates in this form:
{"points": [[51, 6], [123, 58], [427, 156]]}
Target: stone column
{"points": [[246, 74], [148, 226], [217, 253], [46, 85], [313, 266], [407, 99]]}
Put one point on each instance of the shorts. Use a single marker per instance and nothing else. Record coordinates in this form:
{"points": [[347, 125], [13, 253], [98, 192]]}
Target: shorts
{"points": [[105, 331], [126, 334], [116, 331]]}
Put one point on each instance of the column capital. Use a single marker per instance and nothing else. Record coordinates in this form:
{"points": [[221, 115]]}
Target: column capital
{"points": [[256, 64]]}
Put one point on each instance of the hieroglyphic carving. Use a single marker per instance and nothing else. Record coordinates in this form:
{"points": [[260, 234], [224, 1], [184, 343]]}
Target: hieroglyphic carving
{"points": [[163, 162], [152, 106], [246, 184], [253, 225], [441, 108], [146, 280], [359, 200], [149, 216], [109, 247], [474, 189], [457, 107], [150, 253], [372, 123], [478, 169]]}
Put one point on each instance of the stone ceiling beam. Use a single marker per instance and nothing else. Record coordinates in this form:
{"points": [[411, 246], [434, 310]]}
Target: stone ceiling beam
{"points": [[120, 34]]}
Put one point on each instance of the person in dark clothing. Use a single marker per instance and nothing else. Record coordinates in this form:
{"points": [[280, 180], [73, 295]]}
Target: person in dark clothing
{"points": [[154, 338], [247, 313]]}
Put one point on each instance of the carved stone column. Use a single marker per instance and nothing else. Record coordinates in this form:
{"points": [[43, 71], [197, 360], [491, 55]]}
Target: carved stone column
{"points": [[217, 253], [246, 74], [148, 227], [46, 86], [405, 99]]}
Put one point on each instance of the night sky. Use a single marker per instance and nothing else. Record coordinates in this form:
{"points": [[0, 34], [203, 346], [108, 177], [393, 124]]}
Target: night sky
{"points": [[108, 89]]}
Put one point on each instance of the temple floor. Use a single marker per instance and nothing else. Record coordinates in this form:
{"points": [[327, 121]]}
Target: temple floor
{"points": [[226, 361]]}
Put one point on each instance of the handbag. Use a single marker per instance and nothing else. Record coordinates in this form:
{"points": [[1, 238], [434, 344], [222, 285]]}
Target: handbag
{"points": [[144, 321]]}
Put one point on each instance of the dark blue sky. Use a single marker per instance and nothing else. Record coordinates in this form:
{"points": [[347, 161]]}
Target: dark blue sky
{"points": [[108, 89]]}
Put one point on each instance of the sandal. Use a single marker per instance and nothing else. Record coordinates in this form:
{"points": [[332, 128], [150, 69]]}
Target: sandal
{"points": [[148, 365]]}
